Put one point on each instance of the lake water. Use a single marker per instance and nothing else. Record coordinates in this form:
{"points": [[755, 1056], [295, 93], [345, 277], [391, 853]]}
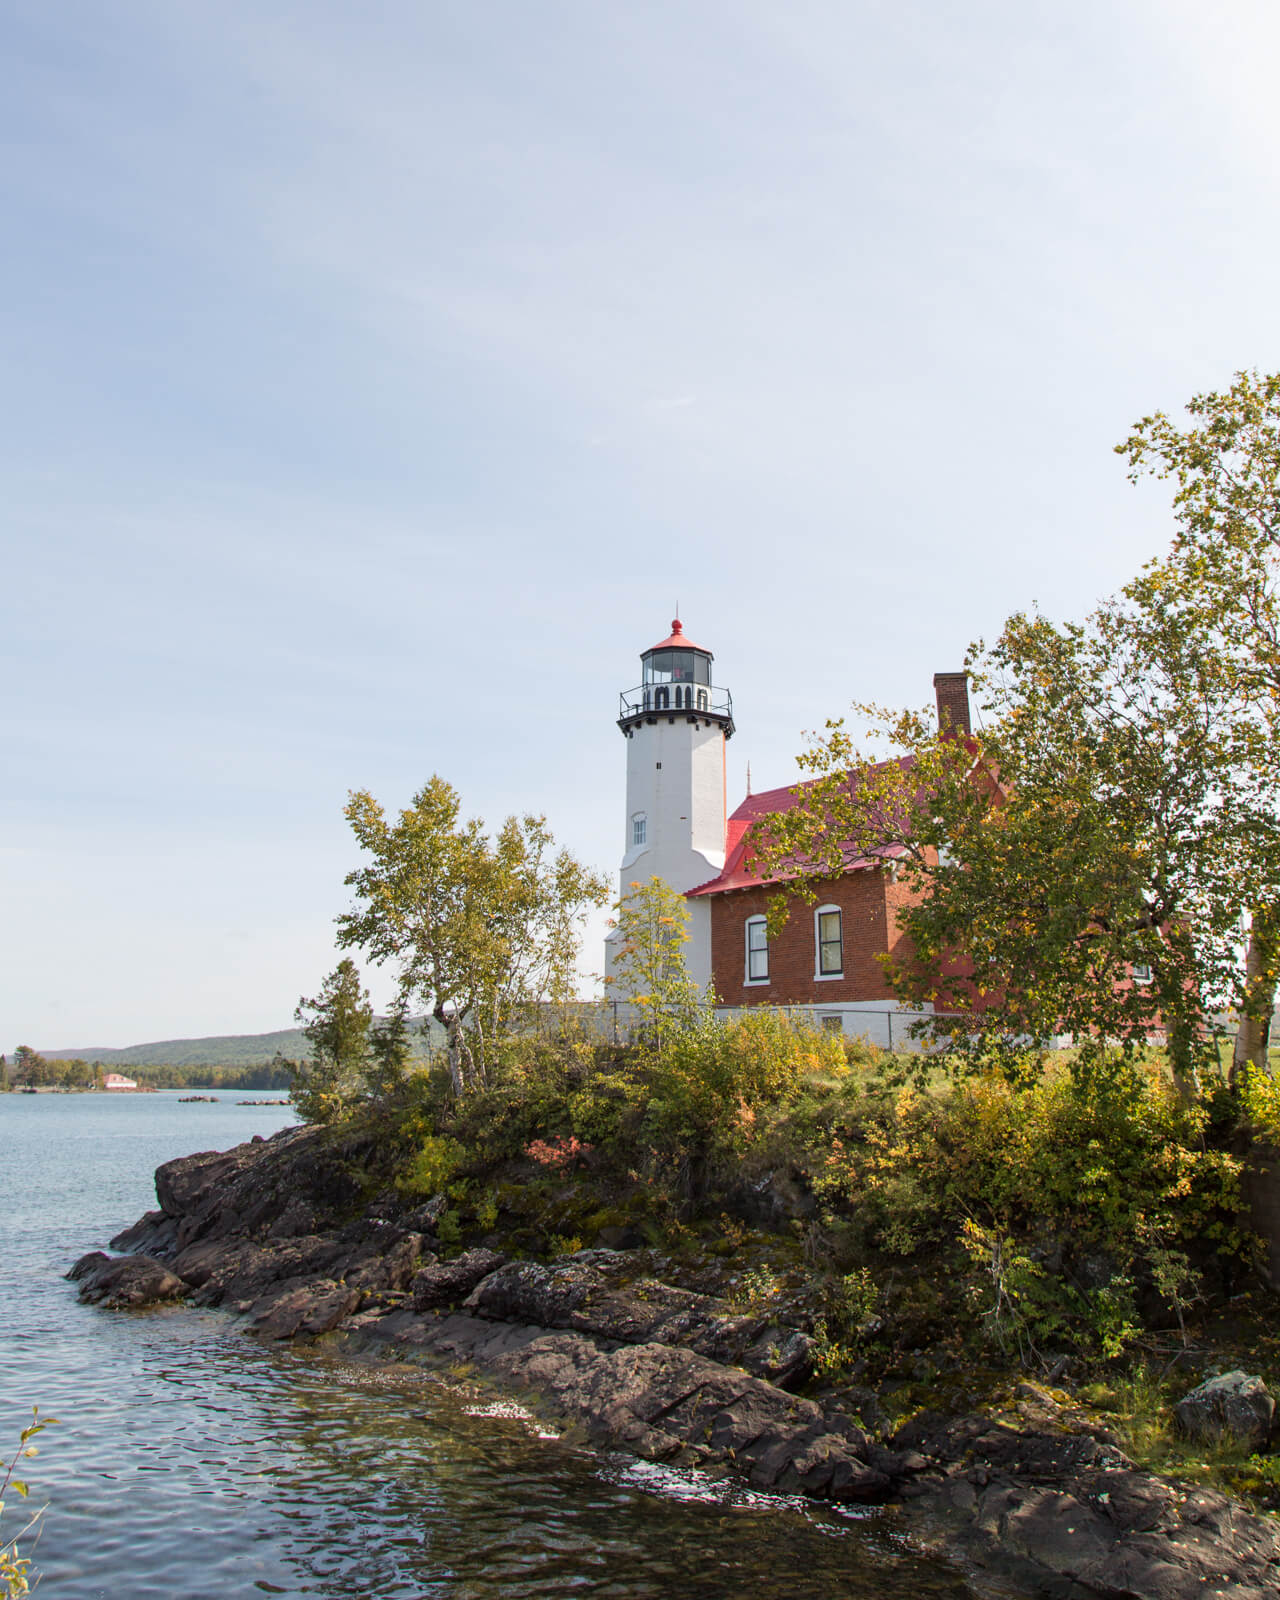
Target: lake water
{"points": [[192, 1462]]}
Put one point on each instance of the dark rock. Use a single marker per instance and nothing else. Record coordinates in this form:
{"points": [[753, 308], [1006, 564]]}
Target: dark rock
{"points": [[772, 1201], [302, 1308], [88, 1264], [295, 1220], [1055, 1511], [661, 1402], [372, 1256], [153, 1234], [306, 1175], [423, 1219], [580, 1292], [389, 1270], [445, 1283], [126, 1281], [658, 1370], [622, 1237], [386, 1206], [1234, 1408]]}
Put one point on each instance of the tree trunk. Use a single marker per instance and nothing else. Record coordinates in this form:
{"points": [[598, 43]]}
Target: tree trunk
{"points": [[1180, 1045], [453, 1048], [475, 1059], [1253, 1037]]}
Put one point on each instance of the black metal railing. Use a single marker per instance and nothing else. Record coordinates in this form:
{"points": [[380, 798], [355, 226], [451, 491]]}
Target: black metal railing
{"points": [[692, 697]]}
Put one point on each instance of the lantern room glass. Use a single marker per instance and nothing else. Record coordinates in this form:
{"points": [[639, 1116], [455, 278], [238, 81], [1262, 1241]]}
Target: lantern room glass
{"points": [[677, 666]]}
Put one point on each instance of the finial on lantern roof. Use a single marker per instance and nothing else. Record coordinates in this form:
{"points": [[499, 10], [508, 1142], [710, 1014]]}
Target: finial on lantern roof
{"points": [[678, 639]]}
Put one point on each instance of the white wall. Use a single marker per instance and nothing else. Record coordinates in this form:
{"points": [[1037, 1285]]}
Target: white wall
{"points": [[676, 778]]}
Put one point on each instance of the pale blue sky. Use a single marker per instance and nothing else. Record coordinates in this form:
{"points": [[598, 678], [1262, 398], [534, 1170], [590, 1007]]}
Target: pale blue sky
{"points": [[376, 376]]}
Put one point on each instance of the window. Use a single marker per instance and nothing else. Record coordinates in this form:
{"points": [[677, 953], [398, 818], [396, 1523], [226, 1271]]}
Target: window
{"points": [[639, 826], [757, 951], [832, 1022], [828, 937], [1141, 972], [677, 666], [662, 699]]}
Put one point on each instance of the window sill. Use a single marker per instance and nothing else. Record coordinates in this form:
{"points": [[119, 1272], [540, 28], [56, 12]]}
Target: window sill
{"points": [[827, 977], [755, 983]]}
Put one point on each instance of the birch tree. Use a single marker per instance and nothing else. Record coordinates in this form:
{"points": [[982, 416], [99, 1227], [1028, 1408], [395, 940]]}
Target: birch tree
{"points": [[1221, 578], [478, 930], [1085, 863]]}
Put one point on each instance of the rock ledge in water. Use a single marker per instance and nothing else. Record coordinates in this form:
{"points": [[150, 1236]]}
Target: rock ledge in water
{"points": [[125, 1281]]}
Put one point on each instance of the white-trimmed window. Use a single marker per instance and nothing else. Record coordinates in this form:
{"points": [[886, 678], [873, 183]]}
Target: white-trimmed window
{"points": [[828, 940], [757, 950], [639, 828], [1141, 972]]}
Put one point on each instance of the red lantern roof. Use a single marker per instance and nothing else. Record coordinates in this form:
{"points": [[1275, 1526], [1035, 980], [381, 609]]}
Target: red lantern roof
{"points": [[677, 641]]}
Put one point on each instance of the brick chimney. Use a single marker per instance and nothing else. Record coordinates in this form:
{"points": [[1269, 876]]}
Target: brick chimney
{"points": [[952, 690]]}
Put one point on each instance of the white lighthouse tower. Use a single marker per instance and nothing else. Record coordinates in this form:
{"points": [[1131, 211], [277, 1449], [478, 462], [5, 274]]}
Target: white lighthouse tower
{"points": [[676, 724]]}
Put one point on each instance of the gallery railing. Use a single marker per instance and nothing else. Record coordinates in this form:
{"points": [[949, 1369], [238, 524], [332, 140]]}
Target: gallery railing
{"points": [[694, 697]]}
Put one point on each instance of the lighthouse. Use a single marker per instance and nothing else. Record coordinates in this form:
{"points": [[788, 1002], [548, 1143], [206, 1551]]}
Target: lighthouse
{"points": [[676, 722]]}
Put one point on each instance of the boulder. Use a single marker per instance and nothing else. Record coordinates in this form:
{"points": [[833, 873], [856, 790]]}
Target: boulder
{"points": [[445, 1283], [88, 1264], [1232, 1409], [125, 1281], [423, 1218], [302, 1308], [388, 1271]]}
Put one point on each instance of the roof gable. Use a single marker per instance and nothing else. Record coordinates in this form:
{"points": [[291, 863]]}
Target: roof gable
{"points": [[737, 873]]}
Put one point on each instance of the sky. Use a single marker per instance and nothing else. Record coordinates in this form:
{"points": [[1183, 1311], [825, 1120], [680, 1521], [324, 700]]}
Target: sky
{"points": [[376, 380]]}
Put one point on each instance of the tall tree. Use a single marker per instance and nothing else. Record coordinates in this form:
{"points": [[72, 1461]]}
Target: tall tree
{"points": [[1085, 861], [650, 973], [389, 1052], [30, 1067], [1221, 577], [336, 1024], [477, 929]]}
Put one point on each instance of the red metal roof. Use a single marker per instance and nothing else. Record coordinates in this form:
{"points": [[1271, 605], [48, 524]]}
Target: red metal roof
{"points": [[677, 641], [738, 874]]}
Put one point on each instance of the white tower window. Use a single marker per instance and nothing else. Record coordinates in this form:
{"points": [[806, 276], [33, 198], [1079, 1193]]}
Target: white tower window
{"points": [[639, 826]]}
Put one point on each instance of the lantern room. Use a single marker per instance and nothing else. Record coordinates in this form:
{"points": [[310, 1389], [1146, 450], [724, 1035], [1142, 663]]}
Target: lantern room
{"points": [[676, 676]]}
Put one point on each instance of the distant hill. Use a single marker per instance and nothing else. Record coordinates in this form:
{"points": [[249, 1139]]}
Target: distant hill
{"points": [[228, 1050]]}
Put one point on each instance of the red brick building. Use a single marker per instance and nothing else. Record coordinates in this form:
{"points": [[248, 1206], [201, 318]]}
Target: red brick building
{"points": [[825, 958]]}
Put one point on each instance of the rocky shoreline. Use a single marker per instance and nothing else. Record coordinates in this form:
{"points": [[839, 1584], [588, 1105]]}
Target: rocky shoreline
{"points": [[595, 1344]]}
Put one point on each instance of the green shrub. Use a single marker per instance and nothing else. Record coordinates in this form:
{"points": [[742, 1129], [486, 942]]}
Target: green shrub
{"points": [[1062, 1197], [1260, 1102], [717, 1077], [434, 1163]]}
